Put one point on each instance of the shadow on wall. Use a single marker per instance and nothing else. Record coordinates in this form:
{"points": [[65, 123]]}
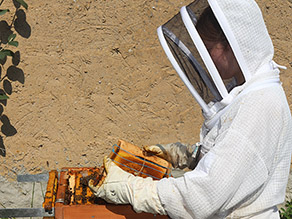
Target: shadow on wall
{"points": [[10, 71]]}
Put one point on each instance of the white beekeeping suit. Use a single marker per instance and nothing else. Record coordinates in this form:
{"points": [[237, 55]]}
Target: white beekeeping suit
{"points": [[246, 139], [247, 134]]}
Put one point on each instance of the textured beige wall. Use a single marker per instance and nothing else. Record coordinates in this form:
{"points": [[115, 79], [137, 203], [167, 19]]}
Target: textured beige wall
{"points": [[94, 72]]}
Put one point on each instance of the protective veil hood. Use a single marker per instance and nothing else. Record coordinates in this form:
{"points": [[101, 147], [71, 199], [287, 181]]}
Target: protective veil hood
{"points": [[246, 34]]}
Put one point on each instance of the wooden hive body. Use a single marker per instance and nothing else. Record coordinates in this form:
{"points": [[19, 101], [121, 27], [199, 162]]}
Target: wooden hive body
{"points": [[71, 198]]}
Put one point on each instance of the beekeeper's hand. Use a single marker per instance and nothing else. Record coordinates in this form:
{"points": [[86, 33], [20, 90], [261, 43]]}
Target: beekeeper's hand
{"points": [[178, 154], [120, 187]]}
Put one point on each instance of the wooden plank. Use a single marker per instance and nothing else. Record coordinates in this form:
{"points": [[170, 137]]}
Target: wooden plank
{"points": [[108, 211]]}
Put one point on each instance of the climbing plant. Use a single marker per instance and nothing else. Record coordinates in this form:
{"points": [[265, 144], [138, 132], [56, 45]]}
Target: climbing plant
{"points": [[286, 212], [12, 25]]}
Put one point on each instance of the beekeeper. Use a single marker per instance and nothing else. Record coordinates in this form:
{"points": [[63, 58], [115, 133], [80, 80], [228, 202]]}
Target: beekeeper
{"points": [[222, 51]]}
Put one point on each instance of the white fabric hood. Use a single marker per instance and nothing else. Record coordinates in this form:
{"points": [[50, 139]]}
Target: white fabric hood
{"points": [[244, 27]]}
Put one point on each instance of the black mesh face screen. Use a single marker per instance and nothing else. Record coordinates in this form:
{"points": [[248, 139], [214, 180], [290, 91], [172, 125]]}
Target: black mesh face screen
{"points": [[189, 60], [195, 73], [193, 37]]}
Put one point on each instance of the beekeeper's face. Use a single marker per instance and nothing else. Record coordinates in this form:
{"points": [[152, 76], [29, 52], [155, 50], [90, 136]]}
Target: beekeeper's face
{"points": [[224, 61]]}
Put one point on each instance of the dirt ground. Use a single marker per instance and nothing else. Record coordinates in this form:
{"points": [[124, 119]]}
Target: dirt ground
{"points": [[94, 73]]}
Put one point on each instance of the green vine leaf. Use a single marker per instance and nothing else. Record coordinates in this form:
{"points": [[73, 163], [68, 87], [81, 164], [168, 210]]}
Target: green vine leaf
{"points": [[11, 37], [3, 97], [13, 43], [23, 3], [4, 53], [3, 11]]}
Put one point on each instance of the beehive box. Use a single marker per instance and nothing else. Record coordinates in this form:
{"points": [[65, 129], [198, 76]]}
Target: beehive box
{"points": [[70, 197]]}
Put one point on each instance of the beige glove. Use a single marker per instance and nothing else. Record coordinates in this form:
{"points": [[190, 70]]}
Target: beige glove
{"points": [[120, 187], [178, 154]]}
